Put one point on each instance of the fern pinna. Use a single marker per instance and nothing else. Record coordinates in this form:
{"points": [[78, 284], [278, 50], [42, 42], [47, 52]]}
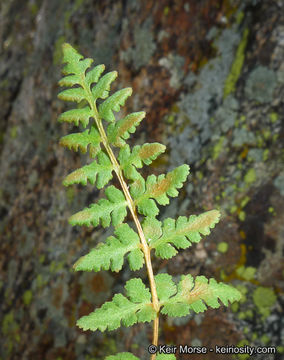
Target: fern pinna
{"points": [[86, 86]]}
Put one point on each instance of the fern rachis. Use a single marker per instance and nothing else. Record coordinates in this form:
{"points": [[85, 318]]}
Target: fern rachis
{"points": [[139, 196]]}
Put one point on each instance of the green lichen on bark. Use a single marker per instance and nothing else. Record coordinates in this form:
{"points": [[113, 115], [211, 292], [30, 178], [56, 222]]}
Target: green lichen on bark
{"points": [[230, 84]]}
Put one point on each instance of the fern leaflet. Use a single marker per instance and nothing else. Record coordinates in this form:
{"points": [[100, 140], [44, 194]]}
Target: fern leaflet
{"points": [[111, 254], [192, 294], [138, 308], [180, 233], [113, 208]]}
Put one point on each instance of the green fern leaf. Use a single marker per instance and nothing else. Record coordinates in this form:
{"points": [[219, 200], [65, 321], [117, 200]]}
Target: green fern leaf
{"points": [[122, 356], [148, 207], [136, 259], [152, 229], [137, 188], [113, 208], [180, 233], [102, 88], [165, 287], [127, 160], [119, 131], [75, 62], [92, 76], [111, 254], [70, 80], [74, 94], [193, 294], [140, 154], [76, 115], [100, 171], [113, 103], [149, 152], [137, 292], [81, 141], [138, 308], [159, 189]]}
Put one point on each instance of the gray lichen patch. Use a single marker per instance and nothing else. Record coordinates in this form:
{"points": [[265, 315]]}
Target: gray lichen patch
{"points": [[204, 99], [243, 136], [226, 115], [144, 46], [255, 155], [174, 63], [261, 84], [279, 183]]}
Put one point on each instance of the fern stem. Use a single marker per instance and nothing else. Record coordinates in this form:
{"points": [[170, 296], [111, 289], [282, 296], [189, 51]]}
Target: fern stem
{"points": [[144, 246], [155, 334]]}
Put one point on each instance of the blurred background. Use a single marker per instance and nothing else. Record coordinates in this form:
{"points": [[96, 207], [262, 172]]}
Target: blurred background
{"points": [[210, 75]]}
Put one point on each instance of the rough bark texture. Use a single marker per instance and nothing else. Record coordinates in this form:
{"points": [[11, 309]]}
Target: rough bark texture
{"points": [[210, 75]]}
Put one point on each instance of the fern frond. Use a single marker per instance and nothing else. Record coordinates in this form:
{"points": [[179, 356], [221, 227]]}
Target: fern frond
{"points": [[102, 88], [86, 85], [111, 254], [113, 103], [92, 76], [119, 131], [136, 307], [158, 188], [70, 80], [139, 155], [192, 294], [82, 140], [113, 208], [97, 172], [76, 116], [73, 94], [180, 233]]}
